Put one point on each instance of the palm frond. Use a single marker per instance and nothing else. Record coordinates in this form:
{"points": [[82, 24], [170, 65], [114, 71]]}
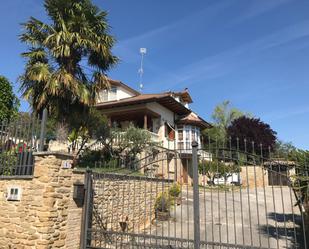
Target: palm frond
{"points": [[53, 76]]}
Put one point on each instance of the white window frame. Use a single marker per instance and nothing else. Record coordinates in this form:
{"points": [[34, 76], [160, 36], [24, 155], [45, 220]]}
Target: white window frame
{"points": [[109, 94], [112, 93], [189, 134]]}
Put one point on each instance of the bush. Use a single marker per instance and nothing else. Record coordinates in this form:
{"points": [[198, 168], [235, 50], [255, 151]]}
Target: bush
{"points": [[8, 161], [98, 159], [163, 202], [89, 158], [175, 190]]}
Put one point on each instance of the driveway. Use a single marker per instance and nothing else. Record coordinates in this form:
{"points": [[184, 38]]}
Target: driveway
{"points": [[261, 218]]}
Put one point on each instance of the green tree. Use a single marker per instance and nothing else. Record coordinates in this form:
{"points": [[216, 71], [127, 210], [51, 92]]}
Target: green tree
{"points": [[116, 145], [216, 168], [222, 116], [55, 75], [130, 143], [93, 127], [283, 150], [8, 101]]}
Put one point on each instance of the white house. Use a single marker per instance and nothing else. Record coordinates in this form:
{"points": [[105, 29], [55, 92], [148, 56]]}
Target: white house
{"points": [[166, 116]]}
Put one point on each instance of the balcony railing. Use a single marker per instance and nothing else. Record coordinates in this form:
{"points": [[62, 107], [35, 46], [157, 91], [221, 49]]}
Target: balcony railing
{"points": [[154, 136], [182, 147], [169, 144]]}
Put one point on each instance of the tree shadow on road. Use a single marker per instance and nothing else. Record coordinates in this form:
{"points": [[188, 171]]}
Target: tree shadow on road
{"points": [[287, 228]]}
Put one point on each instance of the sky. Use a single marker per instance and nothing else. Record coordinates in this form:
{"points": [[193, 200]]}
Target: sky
{"points": [[254, 53]]}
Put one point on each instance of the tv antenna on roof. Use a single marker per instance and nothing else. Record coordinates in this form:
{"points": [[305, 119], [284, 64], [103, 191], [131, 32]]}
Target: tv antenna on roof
{"points": [[142, 51]]}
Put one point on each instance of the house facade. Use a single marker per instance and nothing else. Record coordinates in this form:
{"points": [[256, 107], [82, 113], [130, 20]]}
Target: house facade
{"points": [[166, 116]]}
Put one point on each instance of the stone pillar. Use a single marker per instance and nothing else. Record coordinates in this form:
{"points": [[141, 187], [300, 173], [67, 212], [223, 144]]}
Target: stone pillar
{"points": [[41, 218], [109, 121], [145, 122]]}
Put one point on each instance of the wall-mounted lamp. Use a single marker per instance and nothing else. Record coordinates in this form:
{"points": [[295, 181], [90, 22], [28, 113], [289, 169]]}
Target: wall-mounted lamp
{"points": [[78, 193]]}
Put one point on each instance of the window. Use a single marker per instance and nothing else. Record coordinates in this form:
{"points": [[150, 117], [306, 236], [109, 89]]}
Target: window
{"points": [[104, 95], [169, 132], [112, 93], [198, 137], [195, 134], [180, 135], [180, 145], [109, 94], [187, 134]]}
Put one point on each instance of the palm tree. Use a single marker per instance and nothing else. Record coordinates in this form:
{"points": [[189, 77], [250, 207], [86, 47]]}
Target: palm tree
{"points": [[67, 58]]}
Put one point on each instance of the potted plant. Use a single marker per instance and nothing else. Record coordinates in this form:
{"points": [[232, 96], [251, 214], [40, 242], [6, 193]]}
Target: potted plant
{"points": [[162, 206], [174, 192]]}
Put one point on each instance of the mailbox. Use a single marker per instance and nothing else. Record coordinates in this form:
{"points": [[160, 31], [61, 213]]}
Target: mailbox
{"points": [[79, 193]]}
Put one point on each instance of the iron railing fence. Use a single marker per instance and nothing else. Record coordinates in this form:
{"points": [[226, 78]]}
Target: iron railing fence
{"points": [[146, 163], [257, 205], [19, 138], [221, 196]]}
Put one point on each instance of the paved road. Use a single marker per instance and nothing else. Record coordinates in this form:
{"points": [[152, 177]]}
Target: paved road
{"points": [[264, 219]]}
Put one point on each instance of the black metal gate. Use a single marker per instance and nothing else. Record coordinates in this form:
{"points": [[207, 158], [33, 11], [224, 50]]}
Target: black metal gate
{"points": [[226, 201]]}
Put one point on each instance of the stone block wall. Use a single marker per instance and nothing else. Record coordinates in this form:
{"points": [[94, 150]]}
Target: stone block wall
{"points": [[129, 199], [47, 216], [254, 176], [43, 218]]}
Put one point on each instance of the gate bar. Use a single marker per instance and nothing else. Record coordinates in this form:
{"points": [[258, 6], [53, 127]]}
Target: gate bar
{"points": [[85, 214], [43, 130], [196, 204]]}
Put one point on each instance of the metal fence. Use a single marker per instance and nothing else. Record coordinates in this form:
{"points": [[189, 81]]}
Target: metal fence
{"points": [[19, 138], [218, 197]]}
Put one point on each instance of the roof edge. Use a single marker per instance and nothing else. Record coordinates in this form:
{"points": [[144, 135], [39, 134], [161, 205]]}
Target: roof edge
{"points": [[125, 86]]}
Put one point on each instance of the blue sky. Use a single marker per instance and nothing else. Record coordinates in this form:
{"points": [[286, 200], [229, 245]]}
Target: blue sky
{"points": [[254, 53]]}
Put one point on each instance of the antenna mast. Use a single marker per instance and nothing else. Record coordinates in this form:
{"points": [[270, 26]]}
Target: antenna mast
{"points": [[142, 51]]}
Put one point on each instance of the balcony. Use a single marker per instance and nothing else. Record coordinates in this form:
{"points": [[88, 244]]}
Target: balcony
{"points": [[154, 136], [169, 144], [119, 136]]}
